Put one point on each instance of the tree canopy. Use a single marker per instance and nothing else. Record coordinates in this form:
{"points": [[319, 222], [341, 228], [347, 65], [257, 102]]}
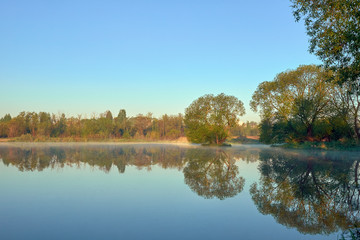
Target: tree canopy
{"points": [[295, 102], [334, 30], [209, 118]]}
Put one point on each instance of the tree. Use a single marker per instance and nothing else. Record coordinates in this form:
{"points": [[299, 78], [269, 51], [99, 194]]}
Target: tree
{"points": [[334, 30], [59, 123], [301, 96], [120, 123], [108, 115], [209, 118]]}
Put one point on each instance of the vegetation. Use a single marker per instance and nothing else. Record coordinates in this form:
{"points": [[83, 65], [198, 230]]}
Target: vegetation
{"points": [[209, 118], [334, 30], [302, 105], [31, 126]]}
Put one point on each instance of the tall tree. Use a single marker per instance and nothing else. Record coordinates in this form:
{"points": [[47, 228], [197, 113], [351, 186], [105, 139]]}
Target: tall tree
{"points": [[302, 95]]}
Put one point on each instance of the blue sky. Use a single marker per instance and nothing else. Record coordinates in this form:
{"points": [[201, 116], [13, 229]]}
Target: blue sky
{"points": [[84, 57]]}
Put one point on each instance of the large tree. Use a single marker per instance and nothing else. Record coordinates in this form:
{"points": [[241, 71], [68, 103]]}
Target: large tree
{"points": [[301, 95], [209, 118], [334, 30]]}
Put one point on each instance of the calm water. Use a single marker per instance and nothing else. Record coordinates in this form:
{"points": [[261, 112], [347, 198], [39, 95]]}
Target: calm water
{"points": [[78, 191]]}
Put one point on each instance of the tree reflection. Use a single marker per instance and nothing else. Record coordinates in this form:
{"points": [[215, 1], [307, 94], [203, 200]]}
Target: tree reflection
{"points": [[102, 157], [209, 172], [314, 194], [212, 173]]}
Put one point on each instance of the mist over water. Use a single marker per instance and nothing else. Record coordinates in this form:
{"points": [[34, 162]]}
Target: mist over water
{"points": [[162, 191]]}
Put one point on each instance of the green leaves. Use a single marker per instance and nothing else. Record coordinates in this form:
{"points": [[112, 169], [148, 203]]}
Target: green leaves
{"points": [[334, 30], [209, 118]]}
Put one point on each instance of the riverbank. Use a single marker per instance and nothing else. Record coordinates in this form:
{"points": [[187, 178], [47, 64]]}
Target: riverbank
{"points": [[335, 146], [95, 140]]}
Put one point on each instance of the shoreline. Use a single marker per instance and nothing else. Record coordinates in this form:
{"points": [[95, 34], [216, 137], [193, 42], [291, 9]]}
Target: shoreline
{"points": [[320, 146]]}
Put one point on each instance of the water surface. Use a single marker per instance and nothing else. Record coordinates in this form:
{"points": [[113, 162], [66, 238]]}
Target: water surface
{"points": [[155, 191]]}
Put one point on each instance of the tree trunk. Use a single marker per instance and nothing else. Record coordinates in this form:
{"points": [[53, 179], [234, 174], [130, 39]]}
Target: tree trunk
{"points": [[309, 132]]}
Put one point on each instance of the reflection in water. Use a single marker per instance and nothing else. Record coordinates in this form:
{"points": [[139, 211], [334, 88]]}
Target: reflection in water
{"points": [[314, 194], [103, 157], [212, 173], [208, 172]]}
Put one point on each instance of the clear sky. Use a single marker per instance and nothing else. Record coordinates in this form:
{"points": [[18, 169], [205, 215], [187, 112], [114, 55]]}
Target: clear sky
{"points": [[84, 57]]}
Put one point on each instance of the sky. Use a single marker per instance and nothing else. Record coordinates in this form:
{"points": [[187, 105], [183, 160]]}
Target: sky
{"points": [[85, 57]]}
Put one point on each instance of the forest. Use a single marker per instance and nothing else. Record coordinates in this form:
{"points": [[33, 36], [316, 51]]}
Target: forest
{"points": [[42, 126]]}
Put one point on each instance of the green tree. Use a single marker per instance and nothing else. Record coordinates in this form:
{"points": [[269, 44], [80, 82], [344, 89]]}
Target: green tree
{"points": [[302, 96], [121, 123], [209, 118], [334, 30], [59, 123], [4, 128]]}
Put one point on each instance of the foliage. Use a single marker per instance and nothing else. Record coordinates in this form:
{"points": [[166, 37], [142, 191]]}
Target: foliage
{"points": [[31, 126], [245, 129], [334, 30], [302, 105], [209, 118]]}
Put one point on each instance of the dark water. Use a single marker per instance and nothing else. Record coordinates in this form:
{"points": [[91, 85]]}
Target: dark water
{"points": [[78, 191]]}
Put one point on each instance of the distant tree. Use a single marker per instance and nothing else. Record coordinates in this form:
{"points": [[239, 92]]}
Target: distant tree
{"points": [[6, 118], [45, 125], [4, 126], [209, 118], [143, 124], [121, 124], [108, 115], [59, 123]]}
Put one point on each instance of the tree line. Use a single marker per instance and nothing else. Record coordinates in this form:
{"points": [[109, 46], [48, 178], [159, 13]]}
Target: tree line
{"points": [[30, 126]]}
